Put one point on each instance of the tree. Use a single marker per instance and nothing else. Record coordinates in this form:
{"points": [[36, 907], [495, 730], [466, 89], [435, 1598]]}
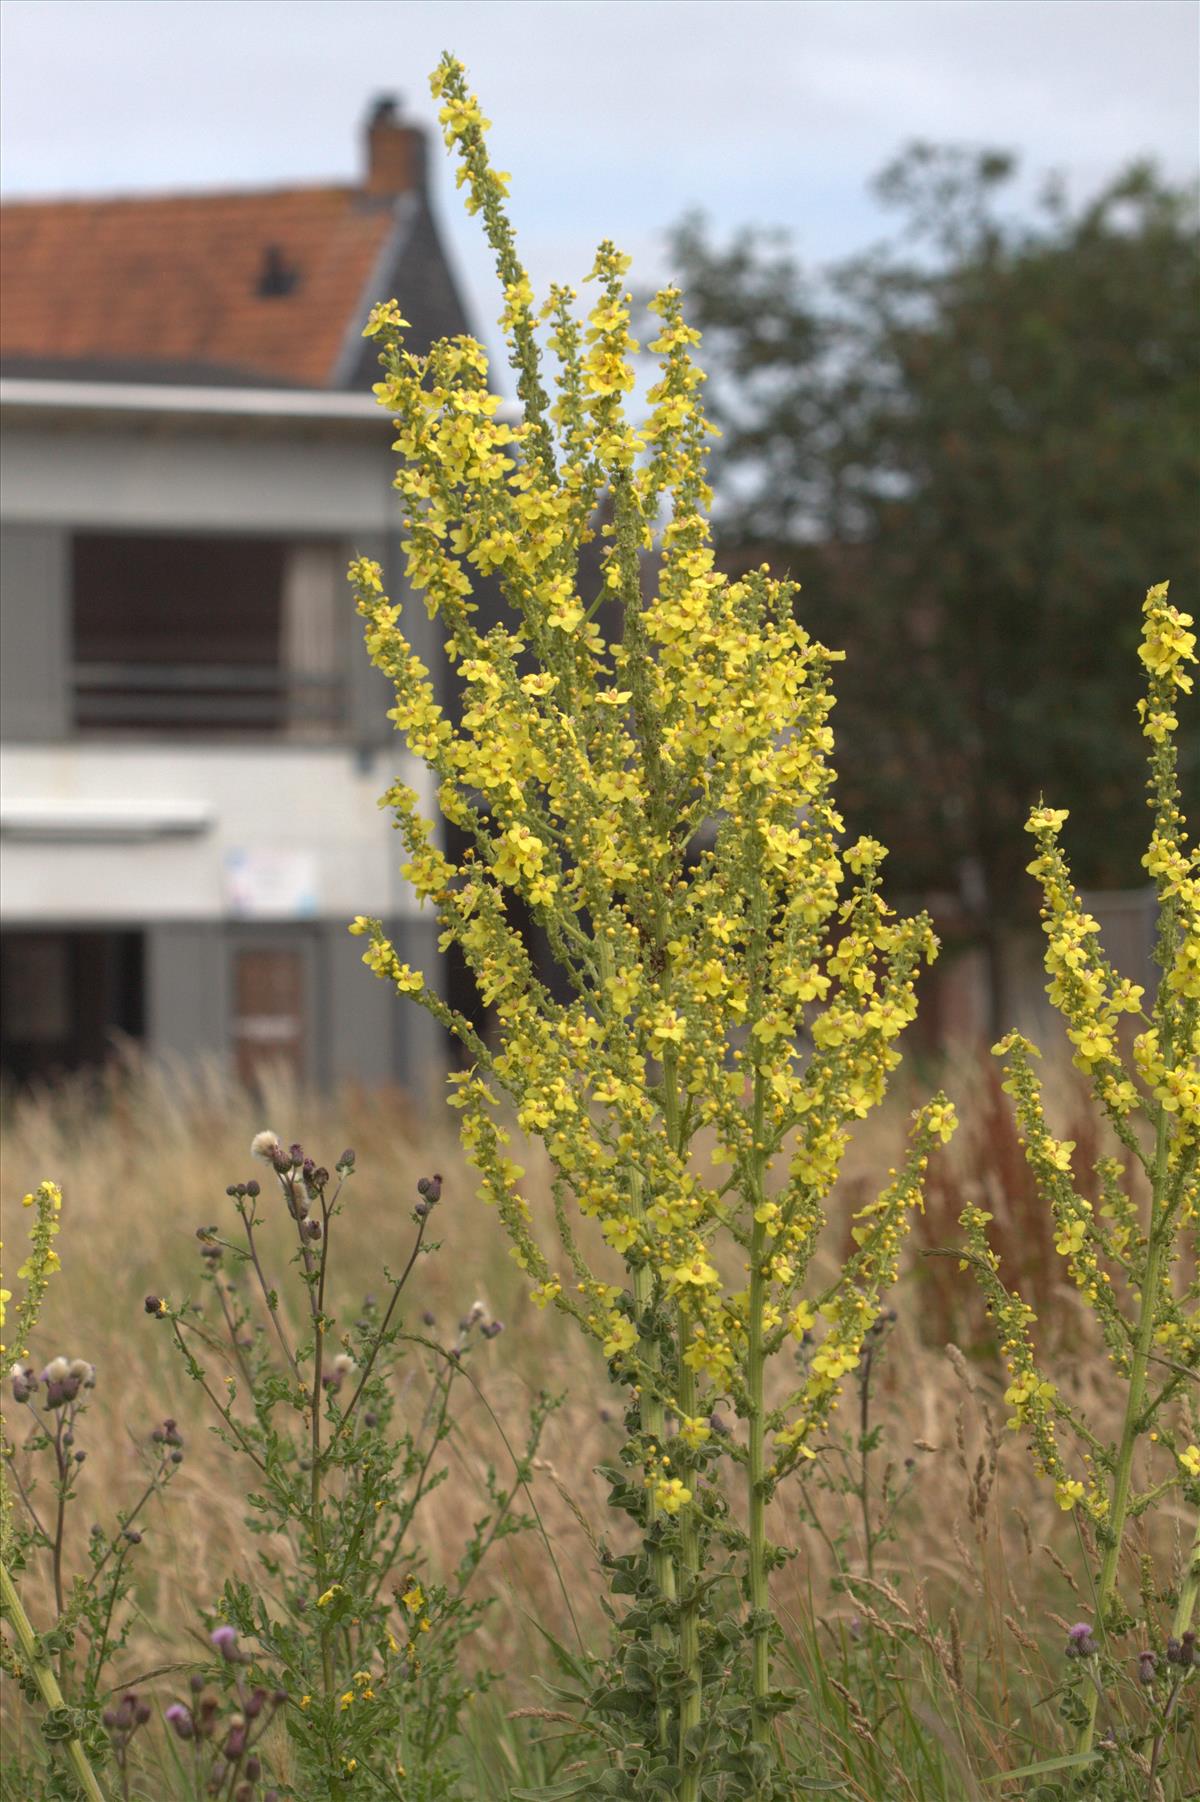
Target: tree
{"points": [[973, 446]]}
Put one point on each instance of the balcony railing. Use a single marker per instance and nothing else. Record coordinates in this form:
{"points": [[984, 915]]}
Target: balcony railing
{"points": [[208, 697]]}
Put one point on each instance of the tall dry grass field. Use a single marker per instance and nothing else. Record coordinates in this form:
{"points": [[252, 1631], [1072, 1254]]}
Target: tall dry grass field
{"points": [[975, 1570]]}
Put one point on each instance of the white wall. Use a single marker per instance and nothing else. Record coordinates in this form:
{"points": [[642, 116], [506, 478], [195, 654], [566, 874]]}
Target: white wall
{"points": [[271, 801], [248, 479]]}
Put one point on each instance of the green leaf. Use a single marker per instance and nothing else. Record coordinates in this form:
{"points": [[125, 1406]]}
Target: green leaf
{"points": [[1069, 1761], [554, 1792]]}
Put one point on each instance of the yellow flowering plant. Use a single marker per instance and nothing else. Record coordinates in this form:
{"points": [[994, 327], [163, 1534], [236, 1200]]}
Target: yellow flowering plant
{"points": [[36, 1661], [658, 801], [1134, 1267]]}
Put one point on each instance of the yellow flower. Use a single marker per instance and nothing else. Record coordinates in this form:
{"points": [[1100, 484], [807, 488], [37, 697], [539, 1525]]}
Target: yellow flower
{"points": [[697, 1273], [1190, 1460], [800, 1320], [671, 1494], [621, 1336], [1068, 1491]]}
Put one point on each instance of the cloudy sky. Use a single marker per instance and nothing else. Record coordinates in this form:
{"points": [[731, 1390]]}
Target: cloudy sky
{"points": [[614, 116]]}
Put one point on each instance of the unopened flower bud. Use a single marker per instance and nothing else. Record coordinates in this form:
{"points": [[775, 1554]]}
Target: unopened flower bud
{"points": [[181, 1720], [431, 1188], [154, 1304], [1147, 1665], [1080, 1643], [24, 1382]]}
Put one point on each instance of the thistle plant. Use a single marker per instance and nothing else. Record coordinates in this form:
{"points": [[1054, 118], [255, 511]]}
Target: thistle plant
{"points": [[64, 1666], [1134, 1266], [658, 801], [338, 1626]]}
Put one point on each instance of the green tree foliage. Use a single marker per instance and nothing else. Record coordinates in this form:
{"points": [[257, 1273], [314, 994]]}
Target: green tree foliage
{"points": [[971, 445]]}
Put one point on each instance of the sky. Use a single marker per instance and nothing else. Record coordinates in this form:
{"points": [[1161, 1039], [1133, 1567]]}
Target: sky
{"points": [[614, 117]]}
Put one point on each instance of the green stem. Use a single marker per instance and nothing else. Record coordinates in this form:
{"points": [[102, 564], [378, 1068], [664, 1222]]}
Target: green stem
{"points": [[864, 1475], [1134, 1411], [1189, 1589], [653, 1415], [691, 1696], [756, 1478], [315, 1501], [756, 1463], [316, 1302], [47, 1682]]}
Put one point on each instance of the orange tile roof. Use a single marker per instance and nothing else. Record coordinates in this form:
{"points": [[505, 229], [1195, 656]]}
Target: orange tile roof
{"points": [[174, 281]]}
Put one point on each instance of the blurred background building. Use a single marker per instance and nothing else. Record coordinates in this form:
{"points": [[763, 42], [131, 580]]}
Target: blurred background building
{"points": [[192, 734], [974, 441]]}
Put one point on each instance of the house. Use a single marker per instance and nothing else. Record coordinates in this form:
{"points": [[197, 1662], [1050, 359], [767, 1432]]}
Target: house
{"points": [[193, 742]]}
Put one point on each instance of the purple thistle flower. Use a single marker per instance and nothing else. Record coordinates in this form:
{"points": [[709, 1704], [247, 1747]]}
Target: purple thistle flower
{"points": [[224, 1640], [1080, 1643]]}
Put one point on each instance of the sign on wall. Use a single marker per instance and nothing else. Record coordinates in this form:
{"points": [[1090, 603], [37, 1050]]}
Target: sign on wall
{"points": [[271, 883]]}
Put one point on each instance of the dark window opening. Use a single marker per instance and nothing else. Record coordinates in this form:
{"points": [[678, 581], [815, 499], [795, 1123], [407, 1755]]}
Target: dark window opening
{"points": [[277, 277], [205, 635], [66, 999]]}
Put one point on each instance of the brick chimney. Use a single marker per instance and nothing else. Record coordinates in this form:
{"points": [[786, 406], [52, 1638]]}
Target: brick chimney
{"points": [[395, 151]]}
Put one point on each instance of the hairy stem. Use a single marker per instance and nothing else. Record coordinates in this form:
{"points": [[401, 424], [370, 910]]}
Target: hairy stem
{"points": [[43, 1675], [691, 1697], [864, 1478], [756, 1479], [267, 1291], [1133, 1423], [756, 1463]]}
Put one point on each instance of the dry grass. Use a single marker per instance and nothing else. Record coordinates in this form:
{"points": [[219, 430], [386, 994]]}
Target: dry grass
{"points": [[143, 1157]]}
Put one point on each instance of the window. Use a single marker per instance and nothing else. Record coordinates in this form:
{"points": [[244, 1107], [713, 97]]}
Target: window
{"points": [[65, 998], [190, 635]]}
